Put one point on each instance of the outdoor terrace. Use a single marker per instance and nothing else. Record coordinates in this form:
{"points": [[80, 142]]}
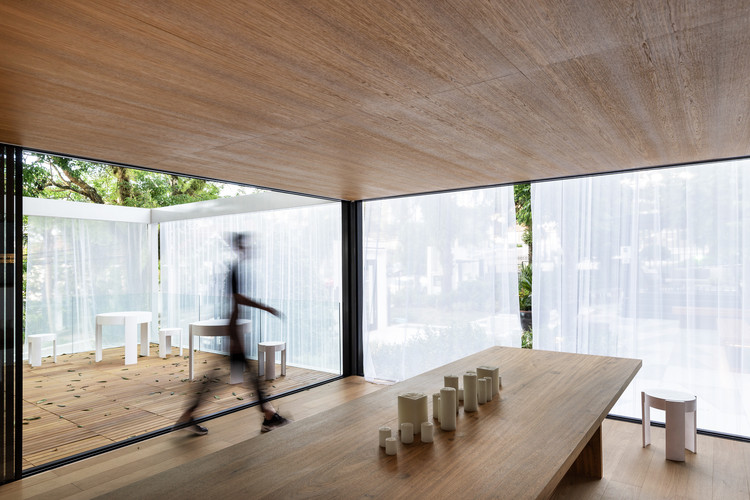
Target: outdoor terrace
{"points": [[76, 405]]}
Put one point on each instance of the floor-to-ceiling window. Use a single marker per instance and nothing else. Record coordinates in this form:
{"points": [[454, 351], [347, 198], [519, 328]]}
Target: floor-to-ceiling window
{"points": [[652, 265], [294, 266], [86, 259], [440, 279]]}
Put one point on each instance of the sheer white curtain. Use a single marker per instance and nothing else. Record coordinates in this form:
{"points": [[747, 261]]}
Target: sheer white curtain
{"points": [[295, 267], [440, 280], [78, 268], [652, 265]]}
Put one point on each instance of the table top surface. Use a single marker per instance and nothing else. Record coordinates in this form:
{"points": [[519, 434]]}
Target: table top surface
{"points": [[142, 315], [519, 445], [218, 322], [670, 395]]}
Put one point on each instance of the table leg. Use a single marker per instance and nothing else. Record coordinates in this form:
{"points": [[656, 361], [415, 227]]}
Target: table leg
{"points": [[675, 430], [691, 422], [590, 461], [35, 358], [131, 341], [645, 419], [270, 361], [236, 373], [162, 344], [144, 339], [98, 355], [190, 353]]}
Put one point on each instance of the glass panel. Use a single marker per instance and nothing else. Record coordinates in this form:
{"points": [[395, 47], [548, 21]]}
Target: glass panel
{"points": [[77, 269], [440, 280], [295, 268], [86, 258], [652, 265]]}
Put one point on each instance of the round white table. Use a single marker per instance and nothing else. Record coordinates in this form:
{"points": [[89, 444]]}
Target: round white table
{"points": [[215, 328]]}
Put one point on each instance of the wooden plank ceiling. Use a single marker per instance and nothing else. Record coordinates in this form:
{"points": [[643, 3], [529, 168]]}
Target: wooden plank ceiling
{"points": [[355, 99]]}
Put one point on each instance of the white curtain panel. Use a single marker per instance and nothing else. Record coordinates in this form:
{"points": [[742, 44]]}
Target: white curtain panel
{"points": [[77, 269], [440, 280], [652, 265], [295, 267]]}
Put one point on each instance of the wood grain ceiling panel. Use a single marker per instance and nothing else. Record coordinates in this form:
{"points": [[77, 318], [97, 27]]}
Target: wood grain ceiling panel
{"points": [[358, 100]]}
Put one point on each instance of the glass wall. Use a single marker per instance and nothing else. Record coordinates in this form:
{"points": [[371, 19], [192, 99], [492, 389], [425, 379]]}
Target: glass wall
{"points": [[440, 280], [295, 267], [160, 244], [652, 265], [79, 268]]}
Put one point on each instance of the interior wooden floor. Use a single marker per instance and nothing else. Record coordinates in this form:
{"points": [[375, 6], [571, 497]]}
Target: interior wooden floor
{"points": [[76, 405], [720, 469]]}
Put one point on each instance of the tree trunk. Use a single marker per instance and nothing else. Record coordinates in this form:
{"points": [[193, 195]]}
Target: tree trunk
{"points": [[124, 187]]}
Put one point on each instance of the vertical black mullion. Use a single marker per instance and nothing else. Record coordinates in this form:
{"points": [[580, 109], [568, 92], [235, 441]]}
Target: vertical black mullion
{"points": [[6, 401], [8, 435], [10, 366], [351, 221], [18, 299]]}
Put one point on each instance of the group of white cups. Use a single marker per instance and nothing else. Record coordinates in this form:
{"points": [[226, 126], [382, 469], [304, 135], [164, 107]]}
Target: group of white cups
{"points": [[480, 387]]}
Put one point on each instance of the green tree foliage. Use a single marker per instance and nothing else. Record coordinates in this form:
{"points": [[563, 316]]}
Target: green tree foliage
{"points": [[524, 288], [522, 198], [55, 177]]}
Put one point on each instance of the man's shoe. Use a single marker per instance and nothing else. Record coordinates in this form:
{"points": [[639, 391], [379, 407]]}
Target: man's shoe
{"points": [[198, 430], [275, 421]]}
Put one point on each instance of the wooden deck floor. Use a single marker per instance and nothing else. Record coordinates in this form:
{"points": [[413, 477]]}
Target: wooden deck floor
{"points": [[78, 405]]}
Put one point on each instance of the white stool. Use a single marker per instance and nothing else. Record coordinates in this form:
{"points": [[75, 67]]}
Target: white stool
{"points": [[35, 347], [267, 357], [681, 418], [165, 340]]}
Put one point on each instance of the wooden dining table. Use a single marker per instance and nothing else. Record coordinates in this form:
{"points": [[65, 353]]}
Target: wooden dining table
{"points": [[544, 423]]}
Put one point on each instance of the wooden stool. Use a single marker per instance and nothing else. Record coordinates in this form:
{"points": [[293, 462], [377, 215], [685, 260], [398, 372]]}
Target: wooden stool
{"points": [[165, 340], [681, 419], [35, 347], [267, 357]]}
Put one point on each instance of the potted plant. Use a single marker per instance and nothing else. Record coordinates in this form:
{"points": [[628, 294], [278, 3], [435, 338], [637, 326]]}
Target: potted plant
{"points": [[524, 297]]}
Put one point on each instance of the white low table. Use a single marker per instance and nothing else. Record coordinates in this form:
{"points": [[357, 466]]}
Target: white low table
{"points": [[131, 320], [215, 328]]}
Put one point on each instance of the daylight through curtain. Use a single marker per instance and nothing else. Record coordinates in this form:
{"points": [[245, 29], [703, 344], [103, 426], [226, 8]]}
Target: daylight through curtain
{"points": [[653, 265], [77, 269], [440, 280], [295, 267]]}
